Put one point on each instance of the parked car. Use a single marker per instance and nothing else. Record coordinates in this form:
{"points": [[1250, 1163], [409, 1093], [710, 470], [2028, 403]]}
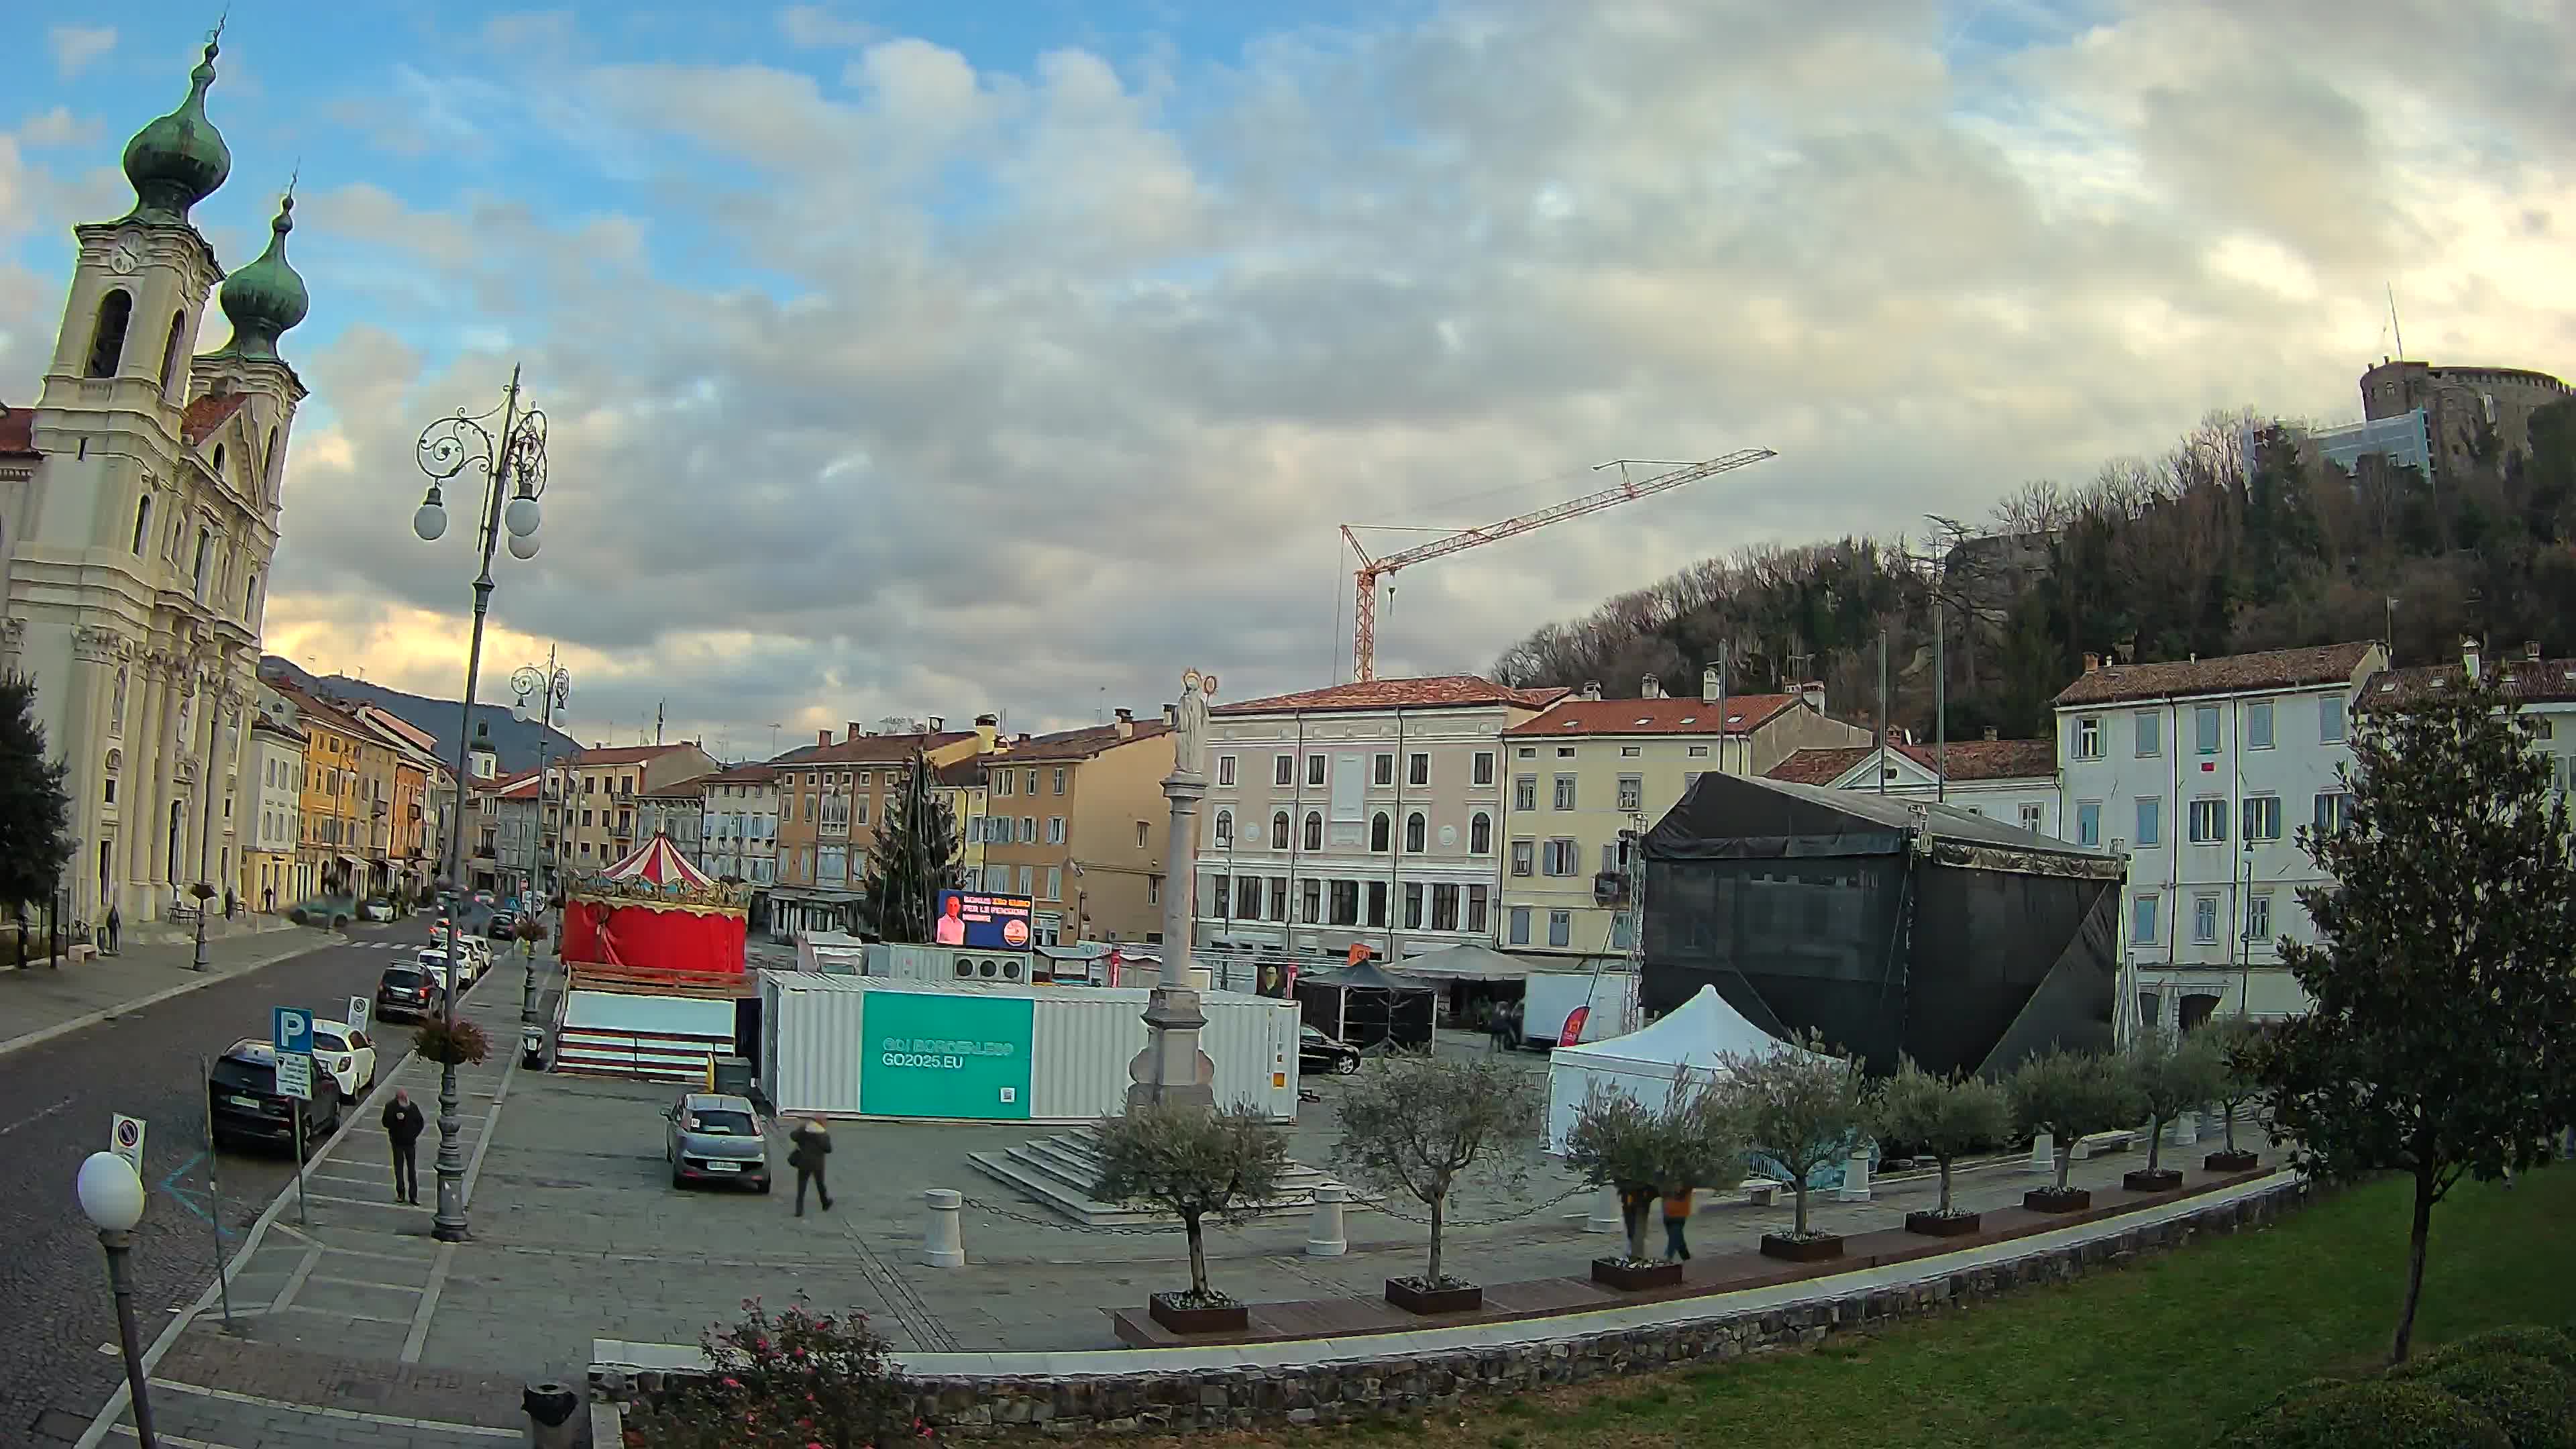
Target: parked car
{"points": [[243, 1104], [349, 1056], [1317, 1052], [437, 959], [408, 992], [378, 909], [717, 1138], [503, 923]]}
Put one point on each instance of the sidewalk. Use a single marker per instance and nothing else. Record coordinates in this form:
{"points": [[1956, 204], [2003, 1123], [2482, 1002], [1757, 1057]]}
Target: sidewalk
{"points": [[39, 1003]]}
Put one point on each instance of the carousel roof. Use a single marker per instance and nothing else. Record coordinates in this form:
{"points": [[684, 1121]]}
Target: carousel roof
{"points": [[658, 863]]}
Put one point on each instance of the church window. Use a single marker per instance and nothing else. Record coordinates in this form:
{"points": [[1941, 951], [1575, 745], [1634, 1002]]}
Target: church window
{"points": [[205, 553], [107, 339], [219, 462], [142, 523], [170, 351], [250, 598]]}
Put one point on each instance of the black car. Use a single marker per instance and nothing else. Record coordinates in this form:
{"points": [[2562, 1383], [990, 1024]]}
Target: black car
{"points": [[406, 992], [1317, 1052], [244, 1105], [502, 924]]}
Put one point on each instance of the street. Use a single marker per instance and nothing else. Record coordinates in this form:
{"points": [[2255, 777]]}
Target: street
{"points": [[55, 1101]]}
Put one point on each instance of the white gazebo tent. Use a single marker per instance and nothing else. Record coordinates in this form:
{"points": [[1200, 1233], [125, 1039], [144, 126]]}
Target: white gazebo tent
{"points": [[1645, 1063]]}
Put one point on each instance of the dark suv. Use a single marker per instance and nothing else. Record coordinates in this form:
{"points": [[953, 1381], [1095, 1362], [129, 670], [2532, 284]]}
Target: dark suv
{"points": [[406, 992], [244, 1105]]}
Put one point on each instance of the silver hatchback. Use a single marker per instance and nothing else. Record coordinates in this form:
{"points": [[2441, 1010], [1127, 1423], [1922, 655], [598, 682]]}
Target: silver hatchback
{"points": [[717, 1138]]}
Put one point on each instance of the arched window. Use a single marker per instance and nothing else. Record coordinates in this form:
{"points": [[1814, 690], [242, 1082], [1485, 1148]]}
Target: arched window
{"points": [[1480, 834], [219, 462], [107, 339], [1414, 829], [1379, 829], [142, 523], [205, 556], [1225, 827], [250, 599], [170, 351], [1279, 830], [268, 462], [1314, 830]]}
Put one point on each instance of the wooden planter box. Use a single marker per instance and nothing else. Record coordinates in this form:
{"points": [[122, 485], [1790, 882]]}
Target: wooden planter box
{"points": [[2231, 1162], [1458, 1298], [1934, 1225], [1229, 1318], [2050, 1200], [1635, 1277], [1801, 1250], [2163, 1179]]}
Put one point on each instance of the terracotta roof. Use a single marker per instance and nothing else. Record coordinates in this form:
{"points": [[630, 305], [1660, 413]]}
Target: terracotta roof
{"points": [[1438, 690], [1744, 713], [17, 432], [871, 749], [759, 774], [307, 702], [207, 414], [694, 785], [966, 774], [622, 754], [521, 786], [1079, 744], [2230, 674], [2532, 681], [277, 727], [1970, 760]]}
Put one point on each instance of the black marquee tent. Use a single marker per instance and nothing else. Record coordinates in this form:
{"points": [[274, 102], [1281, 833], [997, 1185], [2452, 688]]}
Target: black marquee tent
{"points": [[1887, 925], [1365, 1006]]}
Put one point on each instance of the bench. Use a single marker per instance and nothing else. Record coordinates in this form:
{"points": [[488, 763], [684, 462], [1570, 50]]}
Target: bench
{"points": [[2103, 1144], [1759, 1191]]}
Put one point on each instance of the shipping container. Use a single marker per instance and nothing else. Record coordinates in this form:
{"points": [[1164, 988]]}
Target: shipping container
{"points": [[842, 1046]]}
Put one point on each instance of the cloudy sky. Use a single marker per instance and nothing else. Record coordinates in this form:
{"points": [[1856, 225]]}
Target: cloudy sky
{"points": [[925, 359]]}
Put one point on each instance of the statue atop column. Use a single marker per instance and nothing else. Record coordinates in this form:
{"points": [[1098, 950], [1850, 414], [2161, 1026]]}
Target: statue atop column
{"points": [[1190, 723]]}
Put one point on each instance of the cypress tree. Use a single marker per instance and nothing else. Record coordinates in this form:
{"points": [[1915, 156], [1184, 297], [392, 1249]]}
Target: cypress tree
{"points": [[35, 810], [913, 860]]}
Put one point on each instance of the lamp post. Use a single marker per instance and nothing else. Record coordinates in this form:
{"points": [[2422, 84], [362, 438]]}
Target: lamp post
{"points": [[551, 687], [112, 1198], [513, 464]]}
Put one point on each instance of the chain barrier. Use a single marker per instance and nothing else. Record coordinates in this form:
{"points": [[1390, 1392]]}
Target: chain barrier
{"points": [[1447, 1223], [1113, 1230]]}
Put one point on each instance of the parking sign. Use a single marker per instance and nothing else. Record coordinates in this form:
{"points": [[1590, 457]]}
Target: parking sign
{"points": [[295, 1075], [291, 1031], [357, 1013], [125, 1139]]}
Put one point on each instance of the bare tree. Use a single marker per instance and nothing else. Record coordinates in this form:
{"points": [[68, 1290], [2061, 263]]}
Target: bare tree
{"points": [[1418, 1123], [1195, 1165]]}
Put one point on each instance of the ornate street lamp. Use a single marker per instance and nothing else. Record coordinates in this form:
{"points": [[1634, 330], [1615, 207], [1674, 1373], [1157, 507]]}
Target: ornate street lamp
{"points": [[551, 689], [513, 465]]}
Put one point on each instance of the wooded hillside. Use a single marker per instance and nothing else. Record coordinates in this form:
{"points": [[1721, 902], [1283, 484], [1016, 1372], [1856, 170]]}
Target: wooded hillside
{"points": [[2237, 539]]}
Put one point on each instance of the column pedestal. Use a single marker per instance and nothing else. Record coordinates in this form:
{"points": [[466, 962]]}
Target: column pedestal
{"points": [[1325, 1237], [1171, 1070], [1855, 1186], [2043, 1155]]}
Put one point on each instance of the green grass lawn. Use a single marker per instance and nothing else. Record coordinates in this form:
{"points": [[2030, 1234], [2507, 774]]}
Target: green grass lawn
{"points": [[2166, 1352]]}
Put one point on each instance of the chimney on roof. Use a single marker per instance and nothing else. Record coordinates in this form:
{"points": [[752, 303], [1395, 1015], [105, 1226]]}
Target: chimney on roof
{"points": [[988, 732], [1813, 692], [1990, 732], [822, 737], [1126, 724], [856, 731], [2469, 655], [2531, 651], [1709, 686], [2092, 663], [1650, 688], [1592, 689], [1172, 716], [1023, 738]]}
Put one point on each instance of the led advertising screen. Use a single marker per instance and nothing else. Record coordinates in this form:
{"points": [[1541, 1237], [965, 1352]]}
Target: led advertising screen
{"points": [[982, 922]]}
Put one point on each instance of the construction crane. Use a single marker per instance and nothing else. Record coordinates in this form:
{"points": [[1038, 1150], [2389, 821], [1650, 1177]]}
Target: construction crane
{"points": [[1364, 631]]}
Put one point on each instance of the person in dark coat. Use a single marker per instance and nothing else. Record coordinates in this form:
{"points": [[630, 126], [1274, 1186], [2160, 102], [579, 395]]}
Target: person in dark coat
{"points": [[115, 929], [403, 1126], [809, 1145]]}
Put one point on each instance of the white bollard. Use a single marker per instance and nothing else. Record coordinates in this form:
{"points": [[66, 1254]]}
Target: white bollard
{"points": [[943, 1242], [1605, 1212], [1855, 1179], [2043, 1155], [2183, 1130], [1325, 1237]]}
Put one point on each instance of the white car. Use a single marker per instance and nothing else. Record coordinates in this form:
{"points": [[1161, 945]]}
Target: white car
{"points": [[434, 961], [347, 1055], [377, 910]]}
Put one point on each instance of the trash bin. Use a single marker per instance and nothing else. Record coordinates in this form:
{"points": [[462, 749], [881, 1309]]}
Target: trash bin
{"points": [[554, 1420]]}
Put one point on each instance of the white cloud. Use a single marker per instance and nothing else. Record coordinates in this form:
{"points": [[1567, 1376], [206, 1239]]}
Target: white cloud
{"points": [[821, 26], [1054, 377], [75, 46]]}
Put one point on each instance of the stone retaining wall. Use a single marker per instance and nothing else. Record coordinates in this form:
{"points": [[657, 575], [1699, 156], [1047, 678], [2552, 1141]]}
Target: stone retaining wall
{"points": [[1408, 1383]]}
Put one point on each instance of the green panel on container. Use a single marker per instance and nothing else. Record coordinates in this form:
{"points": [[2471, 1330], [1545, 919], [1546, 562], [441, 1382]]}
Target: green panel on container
{"points": [[938, 1054]]}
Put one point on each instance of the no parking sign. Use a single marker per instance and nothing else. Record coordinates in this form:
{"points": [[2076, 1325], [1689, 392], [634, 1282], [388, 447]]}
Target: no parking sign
{"points": [[125, 1139]]}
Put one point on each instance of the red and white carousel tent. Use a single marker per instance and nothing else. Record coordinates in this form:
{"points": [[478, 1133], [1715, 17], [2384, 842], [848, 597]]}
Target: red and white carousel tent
{"points": [[653, 911]]}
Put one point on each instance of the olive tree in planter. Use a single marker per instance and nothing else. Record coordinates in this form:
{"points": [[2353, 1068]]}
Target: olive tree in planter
{"points": [[2237, 1044], [1642, 1152], [1415, 1126], [2171, 1076], [1195, 1165], [2069, 1095], [1945, 1119], [1804, 1108]]}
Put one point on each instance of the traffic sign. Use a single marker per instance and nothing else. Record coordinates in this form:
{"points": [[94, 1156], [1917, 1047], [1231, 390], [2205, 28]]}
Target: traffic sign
{"points": [[291, 1030], [295, 1075], [357, 1013], [125, 1139]]}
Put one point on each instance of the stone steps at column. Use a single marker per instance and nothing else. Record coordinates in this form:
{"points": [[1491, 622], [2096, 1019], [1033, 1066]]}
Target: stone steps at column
{"points": [[1057, 1172]]}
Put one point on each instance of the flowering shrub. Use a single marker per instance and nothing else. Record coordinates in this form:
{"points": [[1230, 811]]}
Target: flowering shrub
{"points": [[460, 1043], [791, 1380]]}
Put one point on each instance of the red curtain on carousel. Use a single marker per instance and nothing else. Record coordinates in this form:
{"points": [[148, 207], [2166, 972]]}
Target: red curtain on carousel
{"points": [[646, 937]]}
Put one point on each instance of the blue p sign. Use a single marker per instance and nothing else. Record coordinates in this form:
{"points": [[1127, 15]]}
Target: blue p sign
{"points": [[293, 1030]]}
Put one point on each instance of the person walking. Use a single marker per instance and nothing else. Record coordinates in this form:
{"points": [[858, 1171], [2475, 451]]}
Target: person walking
{"points": [[403, 1126], [1677, 1211], [115, 930], [811, 1143]]}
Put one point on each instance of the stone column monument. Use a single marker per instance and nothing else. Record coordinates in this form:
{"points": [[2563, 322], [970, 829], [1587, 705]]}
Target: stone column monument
{"points": [[1172, 1070]]}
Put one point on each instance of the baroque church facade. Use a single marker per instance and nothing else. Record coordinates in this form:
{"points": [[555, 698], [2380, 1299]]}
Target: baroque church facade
{"points": [[139, 498]]}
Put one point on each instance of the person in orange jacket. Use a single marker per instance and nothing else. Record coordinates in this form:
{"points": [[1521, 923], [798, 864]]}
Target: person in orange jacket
{"points": [[1677, 1211]]}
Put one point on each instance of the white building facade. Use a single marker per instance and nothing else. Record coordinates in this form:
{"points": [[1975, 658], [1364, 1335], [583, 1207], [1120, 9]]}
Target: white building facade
{"points": [[138, 514], [276, 766], [2201, 773], [1366, 814], [740, 825]]}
